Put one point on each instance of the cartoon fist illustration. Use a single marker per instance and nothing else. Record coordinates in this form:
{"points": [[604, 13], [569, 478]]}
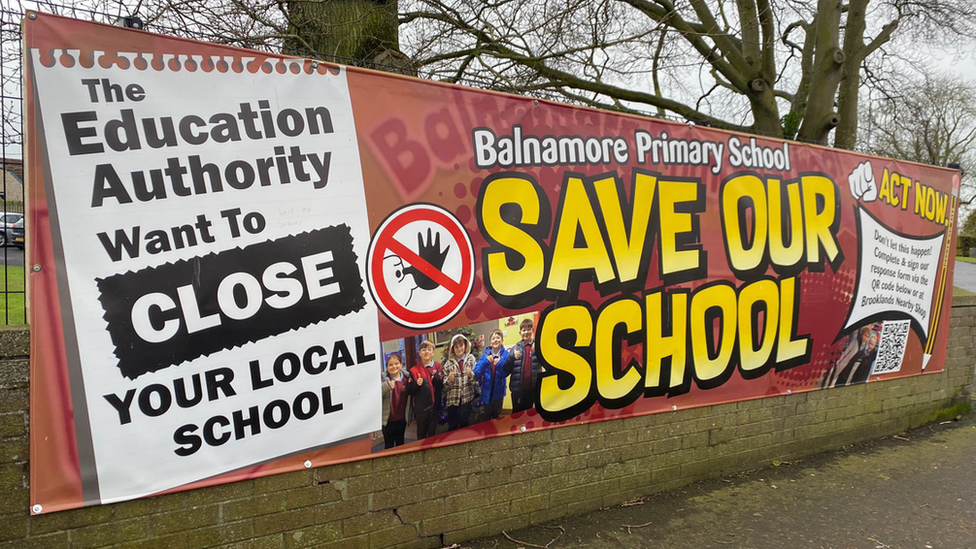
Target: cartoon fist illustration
{"points": [[862, 182]]}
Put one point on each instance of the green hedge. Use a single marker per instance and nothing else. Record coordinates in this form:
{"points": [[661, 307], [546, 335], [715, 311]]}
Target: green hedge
{"points": [[963, 243]]}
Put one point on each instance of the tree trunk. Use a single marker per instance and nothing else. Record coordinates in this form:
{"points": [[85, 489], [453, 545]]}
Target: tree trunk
{"points": [[846, 135], [819, 117], [352, 32], [765, 112]]}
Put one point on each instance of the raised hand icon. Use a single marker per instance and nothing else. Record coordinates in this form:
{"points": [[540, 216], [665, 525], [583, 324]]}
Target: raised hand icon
{"points": [[429, 250]]}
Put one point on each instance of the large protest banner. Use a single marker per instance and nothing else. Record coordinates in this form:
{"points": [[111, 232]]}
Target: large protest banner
{"points": [[233, 248]]}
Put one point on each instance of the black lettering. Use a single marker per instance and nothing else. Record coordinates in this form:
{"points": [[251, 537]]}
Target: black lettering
{"points": [[189, 442], [74, 134], [219, 380], [108, 185], [180, 388], [309, 357], [122, 241], [186, 130], [305, 400], [290, 122], [121, 135], [341, 355], [239, 174], [143, 192], [256, 381], [197, 171], [248, 116], [153, 139], [253, 420], [295, 366], [361, 355], [112, 92], [122, 406], [209, 434], [268, 123], [146, 401], [327, 406], [175, 171], [225, 128], [284, 414], [157, 242], [135, 92], [90, 83], [316, 115]]}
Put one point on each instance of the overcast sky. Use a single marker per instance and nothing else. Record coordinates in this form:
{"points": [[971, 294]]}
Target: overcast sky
{"points": [[962, 63]]}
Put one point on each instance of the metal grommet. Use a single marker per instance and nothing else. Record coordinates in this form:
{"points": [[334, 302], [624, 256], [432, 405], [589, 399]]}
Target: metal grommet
{"points": [[674, 408], [522, 428], [315, 64], [308, 464], [37, 508], [36, 268], [33, 15]]}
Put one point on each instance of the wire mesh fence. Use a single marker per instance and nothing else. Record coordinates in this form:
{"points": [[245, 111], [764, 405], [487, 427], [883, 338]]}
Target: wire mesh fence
{"points": [[11, 161]]}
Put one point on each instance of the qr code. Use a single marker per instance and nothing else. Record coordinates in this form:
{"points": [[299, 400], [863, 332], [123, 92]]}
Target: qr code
{"points": [[891, 348]]}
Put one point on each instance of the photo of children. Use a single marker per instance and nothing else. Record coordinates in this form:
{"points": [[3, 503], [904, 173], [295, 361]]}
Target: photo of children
{"points": [[492, 375], [854, 364], [523, 365], [460, 386], [395, 383], [426, 390], [468, 386]]}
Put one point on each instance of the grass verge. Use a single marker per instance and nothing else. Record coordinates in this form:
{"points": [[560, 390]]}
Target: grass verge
{"points": [[12, 301]]}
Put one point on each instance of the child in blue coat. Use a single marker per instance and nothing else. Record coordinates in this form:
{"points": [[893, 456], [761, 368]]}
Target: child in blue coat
{"points": [[490, 372]]}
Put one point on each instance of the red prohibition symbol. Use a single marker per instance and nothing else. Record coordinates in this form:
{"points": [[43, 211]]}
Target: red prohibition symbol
{"points": [[420, 266]]}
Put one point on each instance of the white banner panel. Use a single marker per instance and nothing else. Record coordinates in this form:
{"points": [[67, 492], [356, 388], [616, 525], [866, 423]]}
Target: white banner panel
{"points": [[213, 227]]}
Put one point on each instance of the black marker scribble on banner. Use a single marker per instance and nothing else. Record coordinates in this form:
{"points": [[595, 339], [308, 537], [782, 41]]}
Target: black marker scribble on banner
{"points": [[137, 356]]}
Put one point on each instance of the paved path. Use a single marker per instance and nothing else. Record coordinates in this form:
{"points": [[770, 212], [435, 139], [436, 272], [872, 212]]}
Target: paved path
{"points": [[965, 276], [10, 255], [888, 494]]}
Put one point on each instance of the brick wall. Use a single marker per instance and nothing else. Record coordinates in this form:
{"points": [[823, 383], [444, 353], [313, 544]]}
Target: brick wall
{"points": [[446, 495]]}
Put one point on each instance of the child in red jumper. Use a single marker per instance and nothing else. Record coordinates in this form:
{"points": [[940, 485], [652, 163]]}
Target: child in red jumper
{"points": [[426, 391]]}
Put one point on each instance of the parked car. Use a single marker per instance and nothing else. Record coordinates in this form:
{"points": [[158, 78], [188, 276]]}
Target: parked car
{"points": [[8, 220], [17, 234]]}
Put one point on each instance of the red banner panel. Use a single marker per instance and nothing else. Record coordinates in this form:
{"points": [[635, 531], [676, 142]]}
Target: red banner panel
{"points": [[249, 264]]}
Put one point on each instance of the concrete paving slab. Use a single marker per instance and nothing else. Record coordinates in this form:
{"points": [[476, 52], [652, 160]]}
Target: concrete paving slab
{"points": [[916, 493]]}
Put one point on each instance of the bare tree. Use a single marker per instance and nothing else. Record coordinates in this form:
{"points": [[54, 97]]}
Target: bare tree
{"points": [[778, 67], [788, 68], [353, 32], [931, 119]]}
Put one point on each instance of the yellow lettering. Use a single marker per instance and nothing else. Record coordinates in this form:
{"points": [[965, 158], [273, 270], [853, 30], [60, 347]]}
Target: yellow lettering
{"points": [[574, 318], [743, 256], [577, 217], [788, 348], [723, 298], [627, 251], [502, 278], [628, 313], [818, 222], [779, 252], [674, 223], [766, 292], [659, 346], [886, 192]]}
